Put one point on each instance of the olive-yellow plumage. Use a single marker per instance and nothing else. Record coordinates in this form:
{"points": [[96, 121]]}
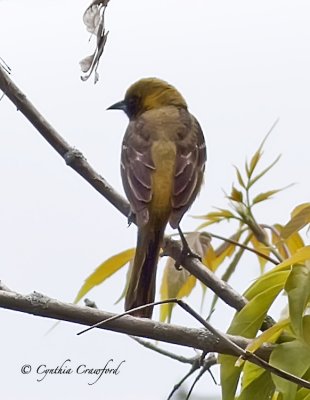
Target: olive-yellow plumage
{"points": [[162, 164]]}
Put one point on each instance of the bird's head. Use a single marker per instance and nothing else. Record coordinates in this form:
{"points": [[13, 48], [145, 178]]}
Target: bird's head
{"points": [[147, 94]]}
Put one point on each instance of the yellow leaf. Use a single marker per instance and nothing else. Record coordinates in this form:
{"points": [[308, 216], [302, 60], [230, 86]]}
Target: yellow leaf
{"points": [[225, 250], [209, 258], [300, 218], [256, 157], [180, 283], [239, 177], [173, 281], [236, 195], [258, 246], [293, 243], [270, 335], [104, 271], [301, 255], [265, 196]]}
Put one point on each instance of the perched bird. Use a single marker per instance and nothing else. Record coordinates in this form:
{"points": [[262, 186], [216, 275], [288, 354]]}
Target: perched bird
{"points": [[162, 164]]}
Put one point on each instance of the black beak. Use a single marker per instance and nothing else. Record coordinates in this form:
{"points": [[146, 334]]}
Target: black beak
{"points": [[121, 105]]}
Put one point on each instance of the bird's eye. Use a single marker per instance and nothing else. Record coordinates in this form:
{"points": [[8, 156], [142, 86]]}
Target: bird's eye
{"points": [[133, 105]]}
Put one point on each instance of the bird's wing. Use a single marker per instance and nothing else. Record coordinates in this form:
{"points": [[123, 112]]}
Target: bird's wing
{"points": [[136, 169], [190, 165]]}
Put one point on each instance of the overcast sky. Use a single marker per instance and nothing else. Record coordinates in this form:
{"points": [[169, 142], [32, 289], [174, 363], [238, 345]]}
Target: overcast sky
{"points": [[240, 65]]}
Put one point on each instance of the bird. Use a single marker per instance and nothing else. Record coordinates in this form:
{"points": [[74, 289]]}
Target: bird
{"points": [[163, 160]]}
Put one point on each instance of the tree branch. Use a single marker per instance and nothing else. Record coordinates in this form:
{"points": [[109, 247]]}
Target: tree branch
{"points": [[40, 305]]}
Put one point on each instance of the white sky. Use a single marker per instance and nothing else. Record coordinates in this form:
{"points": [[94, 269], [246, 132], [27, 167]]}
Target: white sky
{"points": [[240, 65]]}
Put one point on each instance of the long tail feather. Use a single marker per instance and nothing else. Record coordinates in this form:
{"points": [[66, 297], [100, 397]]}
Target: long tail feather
{"points": [[141, 289]]}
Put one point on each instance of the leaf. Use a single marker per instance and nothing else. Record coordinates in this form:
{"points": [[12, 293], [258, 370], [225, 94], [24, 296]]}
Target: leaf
{"points": [[298, 289], [261, 174], [227, 274], [225, 250], [265, 196], [256, 157], [250, 373], [268, 336], [236, 195], [262, 388], [300, 256], [250, 318], [171, 284], [300, 218], [306, 328], [128, 274], [230, 375], [180, 283], [292, 357], [293, 243], [239, 177], [215, 217], [303, 393], [246, 323], [209, 258], [260, 247], [104, 271], [269, 279]]}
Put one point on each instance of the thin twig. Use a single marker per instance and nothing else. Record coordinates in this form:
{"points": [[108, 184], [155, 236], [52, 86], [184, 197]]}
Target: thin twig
{"points": [[277, 234], [245, 247], [194, 368], [173, 356]]}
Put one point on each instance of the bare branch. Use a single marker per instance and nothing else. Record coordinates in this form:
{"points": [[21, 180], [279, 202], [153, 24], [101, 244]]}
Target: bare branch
{"points": [[41, 305]]}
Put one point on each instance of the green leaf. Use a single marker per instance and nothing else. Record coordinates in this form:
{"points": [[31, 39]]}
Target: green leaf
{"points": [[247, 322], [299, 257], [230, 375], [262, 388], [263, 283], [250, 318], [104, 271], [298, 289], [265, 196], [261, 174], [300, 218], [256, 157], [250, 373], [236, 195], [268, 336], [303, 393], [292, 357], [306, 329], [239, 177]]}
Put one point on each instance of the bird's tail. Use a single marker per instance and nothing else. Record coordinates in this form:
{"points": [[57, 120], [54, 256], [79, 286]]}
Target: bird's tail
{"points": [[141, 288]]}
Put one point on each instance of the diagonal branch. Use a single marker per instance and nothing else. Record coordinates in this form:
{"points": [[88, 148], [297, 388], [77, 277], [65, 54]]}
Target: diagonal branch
{"points": [[77, 161]]}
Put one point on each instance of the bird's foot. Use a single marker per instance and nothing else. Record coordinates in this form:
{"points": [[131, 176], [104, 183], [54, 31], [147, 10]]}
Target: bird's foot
{"points": [[130, 218], [186, 252]]}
